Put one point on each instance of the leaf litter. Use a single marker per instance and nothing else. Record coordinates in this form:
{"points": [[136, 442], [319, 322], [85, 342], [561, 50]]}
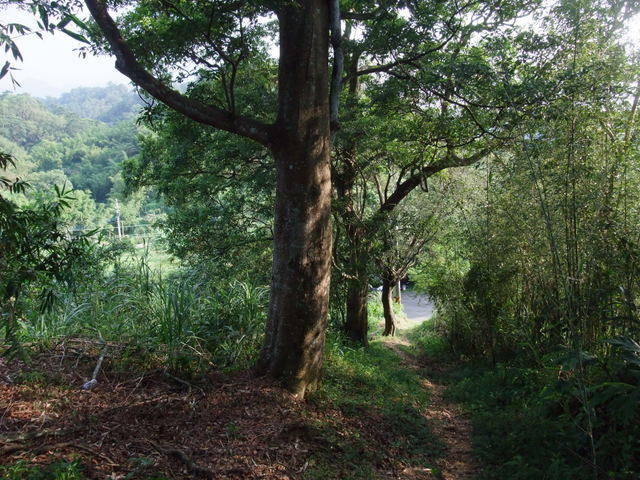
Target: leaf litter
{"points": [[136, 424]]}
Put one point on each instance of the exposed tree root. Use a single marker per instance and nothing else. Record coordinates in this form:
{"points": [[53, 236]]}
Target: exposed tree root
{"points": [[78, 446], [16, 447], [27, 436]]}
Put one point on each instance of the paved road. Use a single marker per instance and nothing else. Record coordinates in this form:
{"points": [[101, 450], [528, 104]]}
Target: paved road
{"points": [[417, 307]]}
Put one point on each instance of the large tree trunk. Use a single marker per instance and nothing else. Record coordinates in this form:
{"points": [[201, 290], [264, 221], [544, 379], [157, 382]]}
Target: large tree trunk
{"points": [[294, 344], [300, 142], [387, 307], [356, 325], [357, 322]]}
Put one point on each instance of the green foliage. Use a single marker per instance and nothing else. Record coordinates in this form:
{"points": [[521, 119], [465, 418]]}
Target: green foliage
{"points": [[516, 437], [574, 415], [537, 271], [27, 120], [220, 190], [59, 470], [377, 396], [36, 252], [233, 326], [522, 415], [185, 322], [541, 252], [51, 139], [111, 104]]}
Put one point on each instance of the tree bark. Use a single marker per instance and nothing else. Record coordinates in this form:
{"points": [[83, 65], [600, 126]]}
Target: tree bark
{"points": [[294, 343], [357, 322], [387, 306]]}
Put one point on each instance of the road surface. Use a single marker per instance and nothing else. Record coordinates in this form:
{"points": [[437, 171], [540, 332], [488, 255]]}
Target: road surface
{"points": [[417, 307]]}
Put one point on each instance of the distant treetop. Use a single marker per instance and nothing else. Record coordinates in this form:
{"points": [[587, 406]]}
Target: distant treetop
{"points": [[110, 104]]}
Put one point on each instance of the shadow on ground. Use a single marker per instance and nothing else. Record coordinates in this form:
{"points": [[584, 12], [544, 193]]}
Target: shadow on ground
{"points": [[369, 420]]}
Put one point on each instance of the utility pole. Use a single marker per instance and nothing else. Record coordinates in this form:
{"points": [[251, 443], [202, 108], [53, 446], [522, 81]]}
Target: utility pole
{"points": [[118, 224]]}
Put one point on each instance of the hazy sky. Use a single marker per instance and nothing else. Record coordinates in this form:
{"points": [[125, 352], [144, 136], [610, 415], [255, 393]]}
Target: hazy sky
{"points": [[51, 66]]}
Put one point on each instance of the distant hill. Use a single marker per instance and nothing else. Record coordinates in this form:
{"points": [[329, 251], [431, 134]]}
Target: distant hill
{"points": [[111, 104], [81, 138], [26, 121]]}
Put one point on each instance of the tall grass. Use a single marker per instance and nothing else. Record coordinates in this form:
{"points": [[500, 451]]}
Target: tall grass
{"points": [[184, 321]]}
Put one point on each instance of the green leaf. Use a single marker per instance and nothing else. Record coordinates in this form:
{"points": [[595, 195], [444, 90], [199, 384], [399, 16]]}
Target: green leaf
{"points": [[44, 16], [78, 22], [5, 69], [15, 51], [64, 22], [625, 343], [630, 349], [75, 35], [574, 360]]}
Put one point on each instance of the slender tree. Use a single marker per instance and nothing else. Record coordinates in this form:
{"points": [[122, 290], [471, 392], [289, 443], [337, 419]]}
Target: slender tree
{"points": [[452, 97]]}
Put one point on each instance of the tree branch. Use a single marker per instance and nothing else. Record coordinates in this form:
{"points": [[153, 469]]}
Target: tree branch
{"points": [[451, 160], [128, 65], [404, 61]]}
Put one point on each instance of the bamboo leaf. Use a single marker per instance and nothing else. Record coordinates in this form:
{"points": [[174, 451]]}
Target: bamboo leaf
{"points": [[75, 35], [5, 69]]}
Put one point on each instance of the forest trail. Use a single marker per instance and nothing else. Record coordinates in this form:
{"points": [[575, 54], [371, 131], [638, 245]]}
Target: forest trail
{"points": [[447, 419]]}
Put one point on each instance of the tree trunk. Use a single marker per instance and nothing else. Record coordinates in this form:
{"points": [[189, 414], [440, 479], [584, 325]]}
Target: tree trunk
{"points": [[356, 326], [387, 306], [357, 323], [294, 344]]}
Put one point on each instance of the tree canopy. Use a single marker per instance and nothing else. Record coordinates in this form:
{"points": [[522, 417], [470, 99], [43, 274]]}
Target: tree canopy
{"points": [[461, 81]]}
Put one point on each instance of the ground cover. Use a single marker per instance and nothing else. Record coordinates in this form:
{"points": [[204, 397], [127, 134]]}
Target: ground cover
{"points": [[369, 420]]}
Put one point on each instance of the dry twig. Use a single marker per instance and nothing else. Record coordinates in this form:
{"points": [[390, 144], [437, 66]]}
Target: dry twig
{"points": [[191, 465]]}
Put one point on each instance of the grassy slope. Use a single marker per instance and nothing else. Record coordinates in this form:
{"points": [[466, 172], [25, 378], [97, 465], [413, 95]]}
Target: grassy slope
{"points": [[370, 410]]}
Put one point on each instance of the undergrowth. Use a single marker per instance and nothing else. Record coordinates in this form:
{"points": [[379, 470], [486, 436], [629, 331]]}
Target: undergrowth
{"points": [[64, 470], [185, 322], [531, 418], [60, 470]]}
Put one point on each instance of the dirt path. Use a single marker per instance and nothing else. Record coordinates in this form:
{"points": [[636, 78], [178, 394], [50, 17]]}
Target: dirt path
{"points": [[447, 419]]}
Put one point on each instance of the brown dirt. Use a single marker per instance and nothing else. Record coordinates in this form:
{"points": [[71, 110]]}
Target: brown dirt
{"points": [[222, 426], [228, 427], [448, 421]]}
